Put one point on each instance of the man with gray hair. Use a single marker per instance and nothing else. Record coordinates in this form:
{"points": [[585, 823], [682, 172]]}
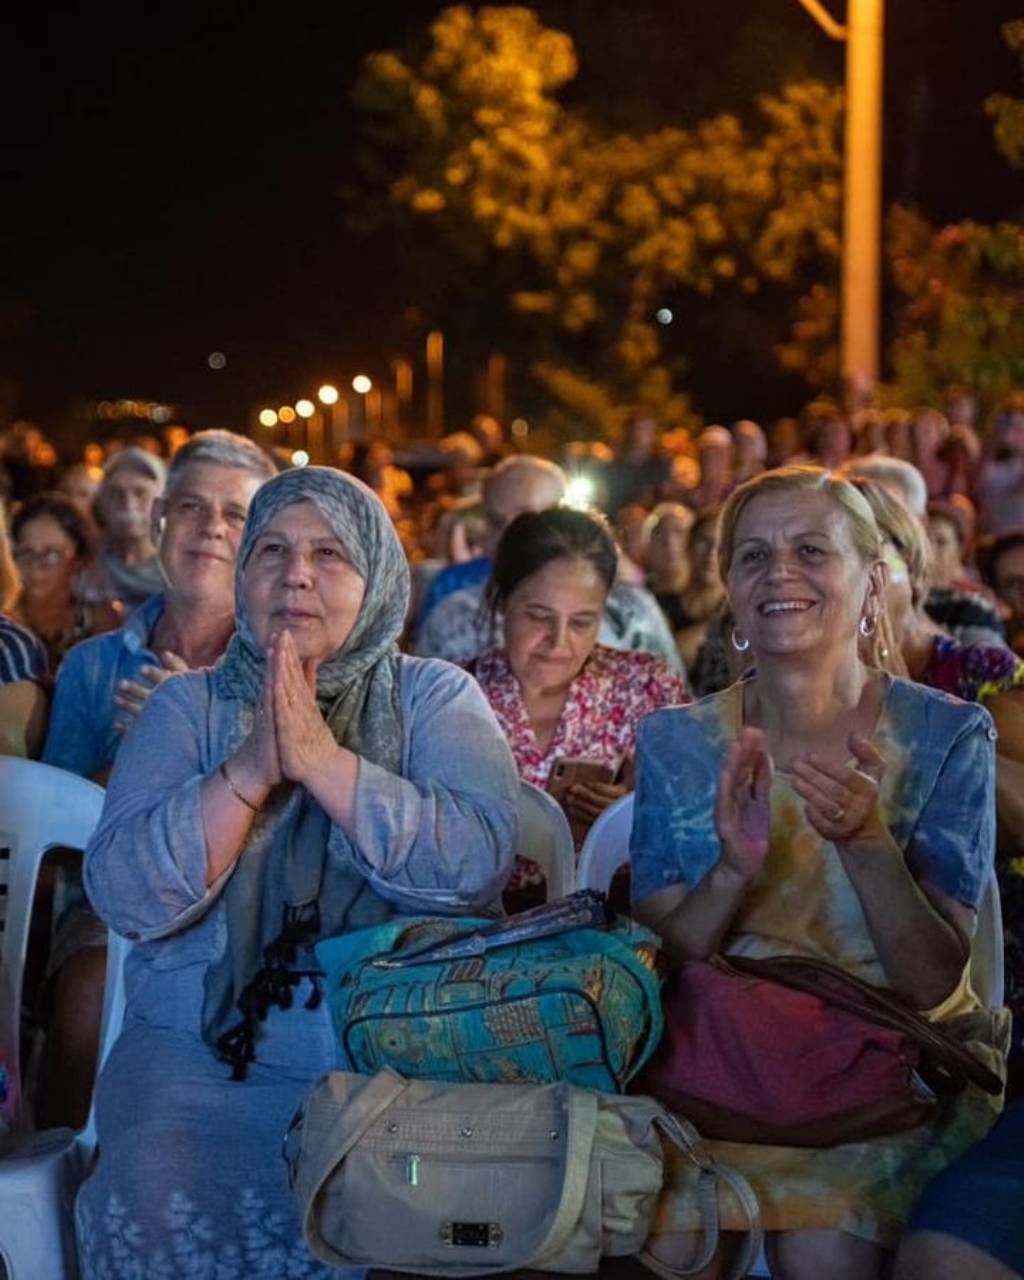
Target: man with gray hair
{"points": [[103, 684], [457, 628], [196, 524]]}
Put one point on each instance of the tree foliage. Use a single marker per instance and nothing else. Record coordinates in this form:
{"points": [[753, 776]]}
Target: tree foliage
{"points": [[600, 224], [962, 315]]}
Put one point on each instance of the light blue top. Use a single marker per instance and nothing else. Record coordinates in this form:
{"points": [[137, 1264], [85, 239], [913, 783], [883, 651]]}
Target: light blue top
{"points": [[937, 795], [453, 577], [83, 737]]}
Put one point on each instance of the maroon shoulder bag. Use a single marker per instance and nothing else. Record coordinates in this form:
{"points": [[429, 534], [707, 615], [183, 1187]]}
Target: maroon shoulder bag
{"points": [[797, 1052]]}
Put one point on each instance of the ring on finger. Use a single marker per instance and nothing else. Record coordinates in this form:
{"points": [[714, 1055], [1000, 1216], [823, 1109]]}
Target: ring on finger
{"points": [[838, 813]]}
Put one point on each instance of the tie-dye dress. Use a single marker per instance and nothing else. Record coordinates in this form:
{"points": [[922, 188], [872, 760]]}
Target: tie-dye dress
{"points": [[938, 800]]}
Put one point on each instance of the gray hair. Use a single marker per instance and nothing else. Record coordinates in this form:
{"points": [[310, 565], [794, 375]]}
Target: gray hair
{"points": [[521, 462], [223, 448], [898, 477]]}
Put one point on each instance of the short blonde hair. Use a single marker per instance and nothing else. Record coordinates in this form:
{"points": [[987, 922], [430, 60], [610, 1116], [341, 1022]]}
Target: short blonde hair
{"points": [[846, 495]]}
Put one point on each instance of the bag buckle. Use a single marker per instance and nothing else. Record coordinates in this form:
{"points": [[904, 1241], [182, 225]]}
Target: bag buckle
{"points": [[471, 1235]]}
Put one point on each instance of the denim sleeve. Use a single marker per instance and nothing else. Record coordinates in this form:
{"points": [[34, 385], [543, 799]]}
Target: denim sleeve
{"points": [[952, 845], [442, 837], [674, 839], [73, 739]]}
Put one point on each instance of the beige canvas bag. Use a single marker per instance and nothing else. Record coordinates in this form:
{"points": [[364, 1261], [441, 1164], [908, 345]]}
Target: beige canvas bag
{"points": [[467, 1179]]}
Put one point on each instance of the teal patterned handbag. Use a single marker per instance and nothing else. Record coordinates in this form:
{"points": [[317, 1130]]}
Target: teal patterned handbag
{"points": [[529, 1000]]}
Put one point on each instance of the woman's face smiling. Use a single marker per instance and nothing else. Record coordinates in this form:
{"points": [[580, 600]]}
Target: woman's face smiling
{"points": [[298, 578], [797, 582]]}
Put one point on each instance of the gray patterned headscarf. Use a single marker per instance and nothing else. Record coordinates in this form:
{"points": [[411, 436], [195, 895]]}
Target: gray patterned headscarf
{"points": [[285, 891]]}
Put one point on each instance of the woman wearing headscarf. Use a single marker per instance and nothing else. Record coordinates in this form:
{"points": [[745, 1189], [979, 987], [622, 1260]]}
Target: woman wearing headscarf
{"points": [[314, 782]]}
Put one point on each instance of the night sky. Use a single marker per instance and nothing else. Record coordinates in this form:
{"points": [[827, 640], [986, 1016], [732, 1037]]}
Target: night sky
{"points": [[174, 174]]}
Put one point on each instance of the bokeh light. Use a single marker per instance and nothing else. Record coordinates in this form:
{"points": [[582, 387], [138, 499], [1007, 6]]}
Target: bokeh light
{"points": [[300, 458], [327, 394], [362, 384], [268, 418], [305, 408], [286, 413]]}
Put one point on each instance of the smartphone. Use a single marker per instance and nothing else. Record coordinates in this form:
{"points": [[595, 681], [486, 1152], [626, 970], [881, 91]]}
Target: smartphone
{"points": [[565, 773]]}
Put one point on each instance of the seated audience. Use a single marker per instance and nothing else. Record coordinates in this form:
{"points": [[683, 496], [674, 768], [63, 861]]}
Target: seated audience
{"points": [[640, 470], [314, 782], [750, 449], [700, 600], [988, 674], [133, 479], [459, 628], [951, 524], [22, 667], [666, 537], [557, 693], [1002, 567], [715, 457], [54, 544], [1000, 484], [519, 483], [81, 482], [826, 433], [825, 808], [967, 1225]]}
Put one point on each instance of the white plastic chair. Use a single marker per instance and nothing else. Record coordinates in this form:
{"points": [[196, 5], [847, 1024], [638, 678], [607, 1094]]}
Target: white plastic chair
{"points": [[40, 808], [606, 847], [545, 836]]}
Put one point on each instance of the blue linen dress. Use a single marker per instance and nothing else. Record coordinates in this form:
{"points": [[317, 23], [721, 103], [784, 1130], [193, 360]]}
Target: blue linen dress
{"points": [[937, 797], [190, 1182]]}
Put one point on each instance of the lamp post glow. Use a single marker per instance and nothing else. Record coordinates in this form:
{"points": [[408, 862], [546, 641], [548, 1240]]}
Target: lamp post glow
{"points": [[362, 386], [328, 397], [862, 186]]}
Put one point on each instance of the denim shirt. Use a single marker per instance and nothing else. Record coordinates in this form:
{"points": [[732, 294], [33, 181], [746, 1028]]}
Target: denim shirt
{"points": [[83, 737]]}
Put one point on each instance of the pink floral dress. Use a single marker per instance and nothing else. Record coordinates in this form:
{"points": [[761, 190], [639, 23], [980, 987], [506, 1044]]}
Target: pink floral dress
{"points": [[612, 693]]}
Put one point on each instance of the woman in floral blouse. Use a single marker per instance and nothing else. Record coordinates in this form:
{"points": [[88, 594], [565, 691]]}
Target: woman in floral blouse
{"points": [[556, 692]]}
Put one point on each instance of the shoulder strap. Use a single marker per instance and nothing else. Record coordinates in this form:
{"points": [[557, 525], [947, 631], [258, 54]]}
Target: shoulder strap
{"points": [[683, 1135], [955, 1064], [342, 1129]]}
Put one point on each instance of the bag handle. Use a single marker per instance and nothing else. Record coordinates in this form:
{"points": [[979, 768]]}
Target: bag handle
{"points": [[582, 1122], [683, 1135], [348, 1126]]}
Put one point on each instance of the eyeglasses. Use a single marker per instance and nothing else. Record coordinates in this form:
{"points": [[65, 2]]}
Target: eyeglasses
{"points": [[49, 556]]}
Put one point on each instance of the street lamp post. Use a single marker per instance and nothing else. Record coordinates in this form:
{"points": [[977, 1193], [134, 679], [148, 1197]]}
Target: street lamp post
{"points": [[328, 397], [862, 187]]}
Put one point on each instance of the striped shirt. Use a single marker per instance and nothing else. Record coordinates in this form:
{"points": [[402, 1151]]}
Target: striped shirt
{"points": [[22, 656]]}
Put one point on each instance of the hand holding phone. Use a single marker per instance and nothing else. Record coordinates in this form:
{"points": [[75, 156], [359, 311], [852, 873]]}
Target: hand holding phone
{"points": [[584, 789]]}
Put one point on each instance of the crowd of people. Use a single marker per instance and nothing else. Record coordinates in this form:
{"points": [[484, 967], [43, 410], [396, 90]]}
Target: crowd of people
{"points": [[312, 694]]}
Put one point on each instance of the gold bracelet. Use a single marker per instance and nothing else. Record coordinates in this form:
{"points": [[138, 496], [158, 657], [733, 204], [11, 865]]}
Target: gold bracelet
{"points": [[235, 791]]}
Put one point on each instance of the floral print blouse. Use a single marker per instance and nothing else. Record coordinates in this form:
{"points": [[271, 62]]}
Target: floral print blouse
{"points": [[607, 700]]}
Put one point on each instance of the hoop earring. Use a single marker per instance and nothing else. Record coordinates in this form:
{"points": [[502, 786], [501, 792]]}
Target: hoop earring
{"points": [[739, 642], [867, 626]]}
